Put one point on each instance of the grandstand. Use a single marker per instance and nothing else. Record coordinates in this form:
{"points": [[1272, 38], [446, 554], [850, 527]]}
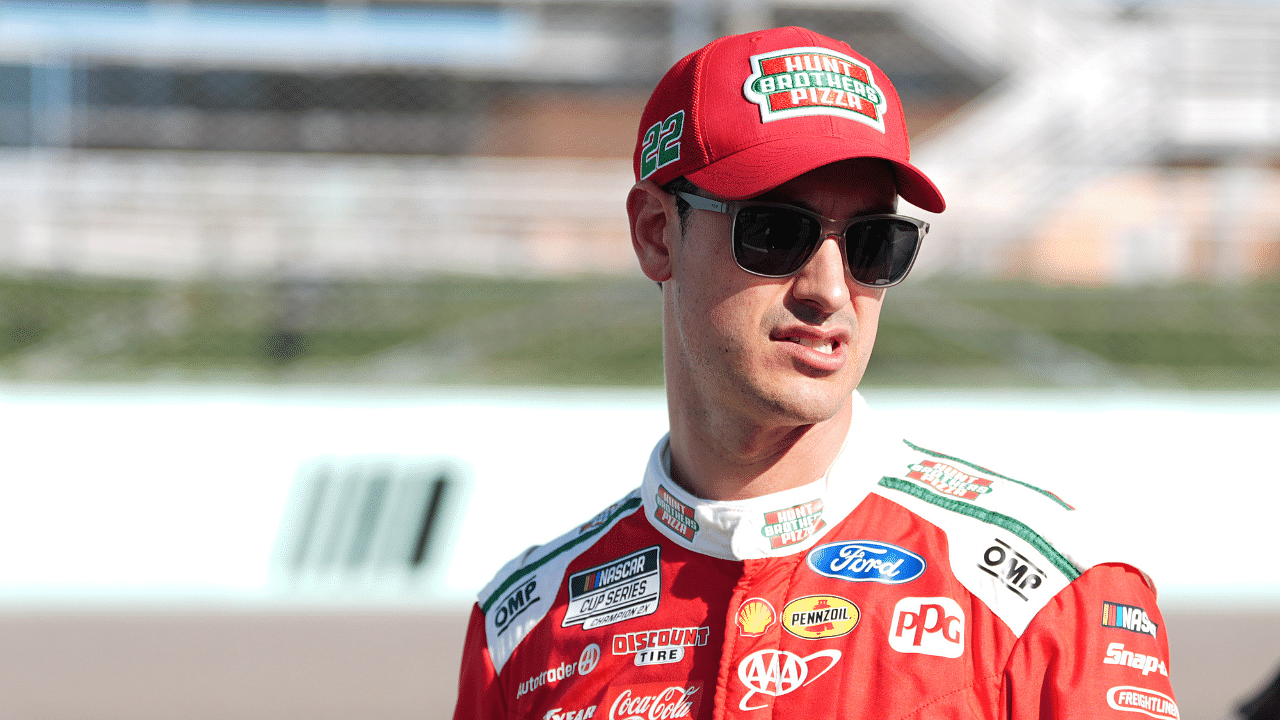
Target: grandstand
{"points": [[198, 138]]}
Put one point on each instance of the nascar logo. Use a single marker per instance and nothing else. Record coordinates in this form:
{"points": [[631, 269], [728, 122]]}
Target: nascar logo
{"points": [[1128, 617]]}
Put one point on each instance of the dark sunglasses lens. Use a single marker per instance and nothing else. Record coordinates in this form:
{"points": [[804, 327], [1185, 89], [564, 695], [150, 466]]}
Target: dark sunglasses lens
{"points": [[773, 241], [881, 250]]}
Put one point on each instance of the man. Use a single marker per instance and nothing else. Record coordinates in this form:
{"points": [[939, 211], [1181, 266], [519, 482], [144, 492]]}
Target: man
{"points": [[782, 558]]}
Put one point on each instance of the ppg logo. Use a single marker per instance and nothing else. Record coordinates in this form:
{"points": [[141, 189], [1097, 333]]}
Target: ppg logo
{"points": [[928, 626]]}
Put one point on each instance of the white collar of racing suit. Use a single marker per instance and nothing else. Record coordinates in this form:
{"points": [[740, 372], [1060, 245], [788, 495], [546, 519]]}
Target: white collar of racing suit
{"points": [[772, 525]]}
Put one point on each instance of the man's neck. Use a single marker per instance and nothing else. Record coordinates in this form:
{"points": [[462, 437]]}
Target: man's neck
{"points": [[727, 458]]}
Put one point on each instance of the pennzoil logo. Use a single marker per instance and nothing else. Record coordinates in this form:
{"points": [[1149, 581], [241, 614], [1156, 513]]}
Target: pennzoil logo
{"points": [[755, 615], [674, 514], [820, 616], [792, 525], [949, 480], [814, 81]]}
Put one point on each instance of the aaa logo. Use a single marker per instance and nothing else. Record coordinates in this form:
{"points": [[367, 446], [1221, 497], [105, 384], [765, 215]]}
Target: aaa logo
{"points": [[778, 672]]}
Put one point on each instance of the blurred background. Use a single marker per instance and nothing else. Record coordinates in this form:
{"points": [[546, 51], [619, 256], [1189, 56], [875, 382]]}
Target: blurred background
{"points": [[303, 303]]}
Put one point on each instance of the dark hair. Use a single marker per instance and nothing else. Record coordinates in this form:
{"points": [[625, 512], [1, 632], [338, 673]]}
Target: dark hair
{"points": [[681, 184]]}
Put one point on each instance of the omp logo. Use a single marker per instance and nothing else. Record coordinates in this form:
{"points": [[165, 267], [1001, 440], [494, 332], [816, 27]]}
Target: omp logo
{"points": [[1117, 655], [659, 647], [1141, 700], [657, 701], [820, 616], [928, 626], [778, 672], [589, 658], [1010, 567], [515, 603], [559, 714], [792, 525], [625, 588], [866, 561], [755, 615], [814, 81], [1128, 617], [674, 514], [949, 480]]}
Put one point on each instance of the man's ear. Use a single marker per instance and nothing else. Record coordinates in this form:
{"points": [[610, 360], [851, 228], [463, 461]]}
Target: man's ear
{"points": [[654, 227]]}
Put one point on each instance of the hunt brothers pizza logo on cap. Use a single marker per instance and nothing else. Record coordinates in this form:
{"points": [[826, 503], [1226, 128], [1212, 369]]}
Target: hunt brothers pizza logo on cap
{"points": [[792, 525], [949, 480], [674, 514], [814, 81]]}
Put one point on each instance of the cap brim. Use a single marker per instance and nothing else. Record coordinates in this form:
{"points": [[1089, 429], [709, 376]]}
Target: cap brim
{"points": [[760, 168]]}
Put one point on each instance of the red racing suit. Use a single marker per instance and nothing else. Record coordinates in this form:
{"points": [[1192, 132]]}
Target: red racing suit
{"points": [[903, 584]]}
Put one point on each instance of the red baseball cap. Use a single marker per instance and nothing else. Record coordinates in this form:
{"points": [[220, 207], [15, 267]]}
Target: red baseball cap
{"points": [[749, 112]]}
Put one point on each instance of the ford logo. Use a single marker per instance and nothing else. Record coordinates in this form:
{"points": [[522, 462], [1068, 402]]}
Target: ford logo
{"points": [[866, 561]]}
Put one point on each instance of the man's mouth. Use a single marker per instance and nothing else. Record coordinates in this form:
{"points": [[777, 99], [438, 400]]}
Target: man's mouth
{"points": [[825, 347]]}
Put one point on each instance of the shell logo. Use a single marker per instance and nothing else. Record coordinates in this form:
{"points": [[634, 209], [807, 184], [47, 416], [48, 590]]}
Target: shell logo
{"points": [[820, 616], [755, 615]]}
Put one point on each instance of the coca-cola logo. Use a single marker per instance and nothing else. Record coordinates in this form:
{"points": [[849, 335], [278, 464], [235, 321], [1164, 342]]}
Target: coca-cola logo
{"points": [[778, 672], [656, 701]]}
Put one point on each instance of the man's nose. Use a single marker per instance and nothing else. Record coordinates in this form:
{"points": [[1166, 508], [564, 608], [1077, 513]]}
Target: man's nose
{"points": [[822, 283]]}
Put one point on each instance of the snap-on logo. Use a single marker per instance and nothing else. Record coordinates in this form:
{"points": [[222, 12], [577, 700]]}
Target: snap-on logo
{"points": [[1117, 655], [866, 561], [928, 626]]}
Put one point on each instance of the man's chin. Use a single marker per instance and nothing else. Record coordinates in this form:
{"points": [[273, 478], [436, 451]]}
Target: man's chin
{"points": [[808, 403]]}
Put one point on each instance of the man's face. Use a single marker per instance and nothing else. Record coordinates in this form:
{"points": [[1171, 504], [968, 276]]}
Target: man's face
{"points": [[781, 351]]}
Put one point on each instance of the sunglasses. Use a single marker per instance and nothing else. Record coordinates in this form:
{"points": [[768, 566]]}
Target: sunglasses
{"points": [[776, 240]]}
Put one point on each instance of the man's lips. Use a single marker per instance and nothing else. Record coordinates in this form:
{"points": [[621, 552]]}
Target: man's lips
{"points": [[826, 347], [825, 350]]}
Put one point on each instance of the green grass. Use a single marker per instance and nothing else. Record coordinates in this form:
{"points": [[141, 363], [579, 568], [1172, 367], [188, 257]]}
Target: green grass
{"points": [[455, 330]]}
